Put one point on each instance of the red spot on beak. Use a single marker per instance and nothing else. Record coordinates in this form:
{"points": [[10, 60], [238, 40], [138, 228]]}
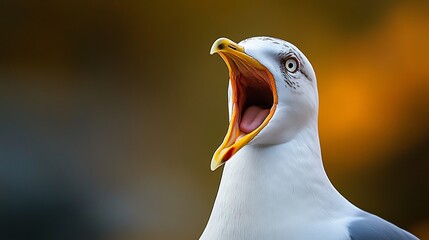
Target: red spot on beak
{"points": [[228, 155]]}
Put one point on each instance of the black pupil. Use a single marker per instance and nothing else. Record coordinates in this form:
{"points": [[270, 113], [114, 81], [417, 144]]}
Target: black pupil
{"points": [[290, 65]]}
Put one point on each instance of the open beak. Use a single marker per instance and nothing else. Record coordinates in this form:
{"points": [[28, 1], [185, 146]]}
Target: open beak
{"points": [[254, 98]]}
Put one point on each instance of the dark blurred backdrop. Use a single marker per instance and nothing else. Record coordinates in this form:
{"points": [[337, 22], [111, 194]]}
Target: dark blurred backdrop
{"points": [[110, 110]]}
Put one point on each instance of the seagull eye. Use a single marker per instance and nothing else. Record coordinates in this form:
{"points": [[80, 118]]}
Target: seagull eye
{"points": [[291, 65]]}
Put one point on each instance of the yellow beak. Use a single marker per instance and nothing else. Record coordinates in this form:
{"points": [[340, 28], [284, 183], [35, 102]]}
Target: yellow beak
{"points": [[243, 71]]}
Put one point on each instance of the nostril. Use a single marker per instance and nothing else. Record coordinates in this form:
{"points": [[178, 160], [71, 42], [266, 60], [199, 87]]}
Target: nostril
{"points": [[232, 46], [220, 46]]}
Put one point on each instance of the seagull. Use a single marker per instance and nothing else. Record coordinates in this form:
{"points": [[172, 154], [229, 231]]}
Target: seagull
{"points": [[274, 185]]}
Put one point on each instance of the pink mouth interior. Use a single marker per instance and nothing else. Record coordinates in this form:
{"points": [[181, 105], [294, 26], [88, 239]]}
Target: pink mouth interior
{"points": [[255, 100], [252, 118]]}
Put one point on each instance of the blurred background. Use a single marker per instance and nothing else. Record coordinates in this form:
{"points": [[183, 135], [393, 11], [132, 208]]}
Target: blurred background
{"points": [[110, 110]]}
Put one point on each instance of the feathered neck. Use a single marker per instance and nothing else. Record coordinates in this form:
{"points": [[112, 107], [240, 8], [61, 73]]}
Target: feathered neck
{"points": [[275, 186]]}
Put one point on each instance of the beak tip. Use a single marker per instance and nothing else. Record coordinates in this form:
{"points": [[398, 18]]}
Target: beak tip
{"points": [[214, 165], [218, 45]]}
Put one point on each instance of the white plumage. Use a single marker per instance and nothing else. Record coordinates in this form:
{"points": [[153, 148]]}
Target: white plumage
{"points": [[274, 185]]}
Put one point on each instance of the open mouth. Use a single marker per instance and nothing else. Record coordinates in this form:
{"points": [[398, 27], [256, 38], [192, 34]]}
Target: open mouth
{"points": [[254, 99]]}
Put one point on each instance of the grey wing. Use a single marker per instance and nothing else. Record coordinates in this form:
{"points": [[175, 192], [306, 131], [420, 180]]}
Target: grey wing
{"points": [[371, 227]]}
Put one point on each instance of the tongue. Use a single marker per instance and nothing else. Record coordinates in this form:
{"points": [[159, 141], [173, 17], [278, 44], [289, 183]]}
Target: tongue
{"points": [[252, 118]]}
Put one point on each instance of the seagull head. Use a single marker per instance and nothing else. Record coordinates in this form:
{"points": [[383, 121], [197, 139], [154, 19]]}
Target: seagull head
{"points": [[272, 93]]}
